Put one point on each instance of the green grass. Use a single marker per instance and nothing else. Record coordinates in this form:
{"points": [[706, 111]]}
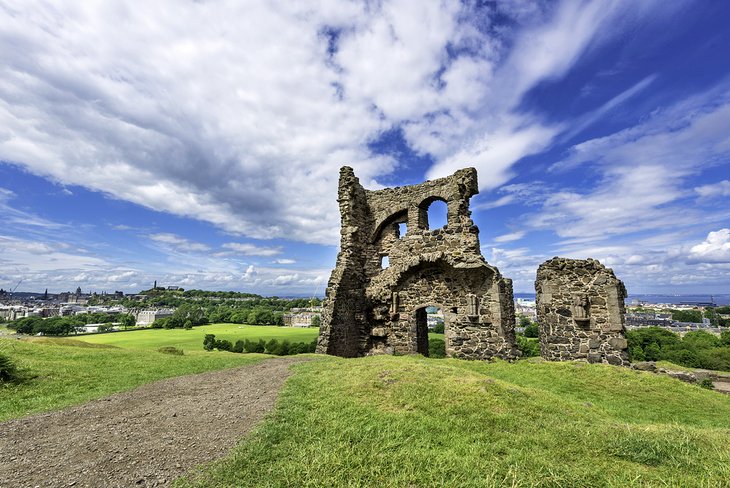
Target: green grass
{"points": [[192, 340], [411, 421], [676, 367], [68, 372]]}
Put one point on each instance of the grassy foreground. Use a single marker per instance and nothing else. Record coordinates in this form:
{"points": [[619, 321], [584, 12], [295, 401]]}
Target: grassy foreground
{"points": [[69, 372], [192, 340], [411, 421]]}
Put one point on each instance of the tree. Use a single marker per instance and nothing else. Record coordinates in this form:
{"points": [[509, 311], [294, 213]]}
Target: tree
{"points": [[636, 353], [725, 338], [652, 352], [694, 316], [209, 342], [316, 320], [127, 320]]}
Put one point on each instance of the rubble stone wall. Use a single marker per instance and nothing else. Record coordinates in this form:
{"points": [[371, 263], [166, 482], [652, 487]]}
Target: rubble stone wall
{"points": [[375, 309], [580, 312]]}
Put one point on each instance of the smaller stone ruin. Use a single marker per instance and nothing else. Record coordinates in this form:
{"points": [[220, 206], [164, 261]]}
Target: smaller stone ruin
{"points": [[580, 309]]}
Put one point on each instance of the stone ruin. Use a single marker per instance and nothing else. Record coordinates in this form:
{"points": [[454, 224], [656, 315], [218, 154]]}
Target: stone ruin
{"points": [[392, 266], [580, 312], [371, 308]]}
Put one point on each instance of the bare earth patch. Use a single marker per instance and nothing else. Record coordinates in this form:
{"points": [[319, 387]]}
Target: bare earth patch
{"points": [[144, 437]]}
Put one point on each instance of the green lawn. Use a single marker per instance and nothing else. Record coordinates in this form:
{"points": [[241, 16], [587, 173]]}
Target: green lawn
{"points": [[74, 372], [192, 340], [411, 421]]}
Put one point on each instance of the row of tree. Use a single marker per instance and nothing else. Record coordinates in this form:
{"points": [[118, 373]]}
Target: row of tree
{"points": [[273, 346], [56, 326], [697, 349]]}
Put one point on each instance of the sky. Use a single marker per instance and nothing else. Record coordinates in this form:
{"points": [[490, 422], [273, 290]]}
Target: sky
{"points": [[198, 144]]}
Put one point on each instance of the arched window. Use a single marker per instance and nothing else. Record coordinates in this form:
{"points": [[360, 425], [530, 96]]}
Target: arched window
{"points": [[402, 229], [437, 215]]}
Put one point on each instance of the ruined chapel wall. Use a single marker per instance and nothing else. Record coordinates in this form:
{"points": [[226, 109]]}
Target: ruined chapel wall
{"points": [[344, 303], [580, 312]]}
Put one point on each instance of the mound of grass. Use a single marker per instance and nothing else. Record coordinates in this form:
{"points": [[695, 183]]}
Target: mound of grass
{"points": [[68, 375], [171, 350], [64, 341], [412, 421]]}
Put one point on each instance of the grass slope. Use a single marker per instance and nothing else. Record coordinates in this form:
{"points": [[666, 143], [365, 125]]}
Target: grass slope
{"points": [[411, 421], [69, 372], [192, 340]]}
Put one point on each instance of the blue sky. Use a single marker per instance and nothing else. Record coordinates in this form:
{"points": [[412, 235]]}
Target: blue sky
{"points": [[202, 149]]}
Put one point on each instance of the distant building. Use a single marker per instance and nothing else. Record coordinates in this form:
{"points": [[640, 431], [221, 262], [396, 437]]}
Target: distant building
{"points": [[147, 317], [299, 319]]}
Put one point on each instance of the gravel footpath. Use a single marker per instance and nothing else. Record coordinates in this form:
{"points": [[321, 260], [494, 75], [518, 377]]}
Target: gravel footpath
{"points": [[143, 437]]}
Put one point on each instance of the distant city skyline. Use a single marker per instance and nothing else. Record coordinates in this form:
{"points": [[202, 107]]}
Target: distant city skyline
{"points": [[202, 149]]}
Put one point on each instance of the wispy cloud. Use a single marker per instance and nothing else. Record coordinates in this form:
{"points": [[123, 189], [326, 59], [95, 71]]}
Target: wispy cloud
{"points": [[179, 243], [251, 249]]}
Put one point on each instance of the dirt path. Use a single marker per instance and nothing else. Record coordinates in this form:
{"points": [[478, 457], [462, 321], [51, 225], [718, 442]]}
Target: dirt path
{"points": [[144, 437]]}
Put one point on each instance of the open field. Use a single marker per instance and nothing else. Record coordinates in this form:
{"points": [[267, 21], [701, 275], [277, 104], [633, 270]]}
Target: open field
{"points": [[412, 421], [70, 373], [192, 340]]}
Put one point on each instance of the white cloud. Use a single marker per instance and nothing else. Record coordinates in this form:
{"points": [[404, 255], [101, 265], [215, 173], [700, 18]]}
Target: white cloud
{"points": [[512, 236], [714, 249], [179, 243], [719, 189], [284, 261], [643, 173], [251, 249], [240, 114]]}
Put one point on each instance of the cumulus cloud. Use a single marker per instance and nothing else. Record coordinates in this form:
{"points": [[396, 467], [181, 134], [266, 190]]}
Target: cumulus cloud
{"points": [[239, 114], [714, 249]]}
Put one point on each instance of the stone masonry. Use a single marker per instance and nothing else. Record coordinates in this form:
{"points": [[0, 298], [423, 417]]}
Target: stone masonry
{"points": [[386, 275], [580, 312]]}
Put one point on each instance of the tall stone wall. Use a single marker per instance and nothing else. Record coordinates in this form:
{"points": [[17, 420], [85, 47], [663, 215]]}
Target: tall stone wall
{"points": [[375, 309], [580, 312]]}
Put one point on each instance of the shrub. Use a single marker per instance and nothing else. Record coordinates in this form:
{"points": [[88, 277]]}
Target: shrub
{"points": [[439, 328], [238, 346], [159, 323], [636, 353], [171, 350], [209, 342], [282, 348], [271, 346], [532, 331], [9, 371], [529, 347], [706, 384], [223, 345], [436, 348]]}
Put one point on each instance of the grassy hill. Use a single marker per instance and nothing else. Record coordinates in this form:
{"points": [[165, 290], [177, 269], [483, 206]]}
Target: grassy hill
{"points": [[68, 372], [412, 421], [192, 340]]}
